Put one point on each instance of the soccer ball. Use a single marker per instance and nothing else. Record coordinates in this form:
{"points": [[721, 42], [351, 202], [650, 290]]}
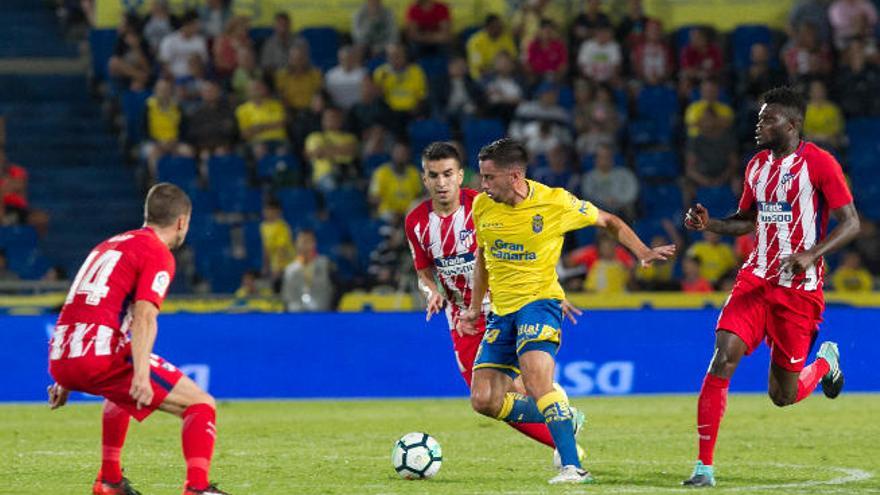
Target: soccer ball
{"points": [[416, 456]]}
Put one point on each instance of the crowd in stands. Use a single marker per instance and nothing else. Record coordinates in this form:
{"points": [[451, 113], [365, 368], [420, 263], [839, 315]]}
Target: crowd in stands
{"points": [[318, 132]]}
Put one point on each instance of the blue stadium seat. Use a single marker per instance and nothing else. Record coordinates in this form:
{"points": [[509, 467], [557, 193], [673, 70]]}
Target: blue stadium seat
{"points": [[862, 133], [436, 67], [228, 172], [424, 132], [206, 234], [270, 165], [253, 244], [656, 114], [465, 34], [27, 262], [589, 161], [179, 170], [743, 37], [566, 97], [101, 44], [298, 204], [323, 46], [660, 200], [372, 162], [134, 108], [720, 201], [657, 165], [366, 237], [226, 272], [240, 199], [346, 203], [204, 202], [478, 133]]}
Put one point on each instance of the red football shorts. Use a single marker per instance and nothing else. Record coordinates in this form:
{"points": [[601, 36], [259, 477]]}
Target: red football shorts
{"points": [[788, 319], [465, 347], [110, 377]]}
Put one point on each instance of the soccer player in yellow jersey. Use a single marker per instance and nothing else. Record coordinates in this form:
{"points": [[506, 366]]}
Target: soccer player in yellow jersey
{"points": [[520, 227]]}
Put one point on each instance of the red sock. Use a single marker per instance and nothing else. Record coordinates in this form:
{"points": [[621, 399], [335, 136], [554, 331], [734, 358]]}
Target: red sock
{"points": [[810, 377], [114, 426], [198, 437], [536, 431], [710, 410]]}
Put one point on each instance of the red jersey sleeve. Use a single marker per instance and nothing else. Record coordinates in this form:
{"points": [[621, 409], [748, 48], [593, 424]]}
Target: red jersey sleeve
{"points": [[421, 259], [829, 180], [747, 200], [155, 275]]}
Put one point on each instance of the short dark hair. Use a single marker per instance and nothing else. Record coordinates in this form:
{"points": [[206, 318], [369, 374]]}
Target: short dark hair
{"points": [[788, 98], [165, 203], [506, 153], [188, 17], [491, 18], [273, 203], [441, 150], [282, 16]]}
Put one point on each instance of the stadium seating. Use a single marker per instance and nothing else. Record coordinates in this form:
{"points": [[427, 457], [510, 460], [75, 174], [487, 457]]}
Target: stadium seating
{"points": [[660, 200], [657, 165], [271, 166], [323, 46], [478, 133], [179, 170], [743, 37], [423, 132], [297, 204], [656, 115], [720, 201]]}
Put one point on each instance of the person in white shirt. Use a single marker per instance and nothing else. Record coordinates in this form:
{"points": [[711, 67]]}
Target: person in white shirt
{"points": [[345, 82], [599, 59], [178, 47]]}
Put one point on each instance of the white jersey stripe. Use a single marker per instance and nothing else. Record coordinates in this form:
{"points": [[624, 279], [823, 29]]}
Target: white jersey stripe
{"points": [[761, 237], [783, 236], [806, 202]]}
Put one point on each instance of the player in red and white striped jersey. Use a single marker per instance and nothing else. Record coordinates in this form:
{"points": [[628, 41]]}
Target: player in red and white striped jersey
{"points": [[104, 337], [791, 188], [442, 239]]}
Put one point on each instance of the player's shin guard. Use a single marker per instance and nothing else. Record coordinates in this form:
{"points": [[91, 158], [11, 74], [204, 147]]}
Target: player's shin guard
{"points": [[114, 427], [518, 408], [199, 432], [810, 377], [557, 414], [710, 410]]}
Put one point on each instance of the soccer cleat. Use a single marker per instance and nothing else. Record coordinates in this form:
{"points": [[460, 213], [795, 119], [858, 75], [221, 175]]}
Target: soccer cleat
{"points": [[102, 487], [557, 460], [832, 382], [571, 475], [703, 476], [210, 490]]}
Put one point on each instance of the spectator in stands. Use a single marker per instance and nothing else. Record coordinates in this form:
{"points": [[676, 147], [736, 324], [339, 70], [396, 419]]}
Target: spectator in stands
{"points": [[608, 274], [597, 119], [542, 123], [345, 82], [261, 121], [225, 48], [867, 244], [823, 122], [557, 171], [847, 16], [373, 27], [699, 59], [484, 46], [858, 82], [370, 111], [395, 185], [276, 49], [652, 60], [299, 81], [13, 190], [711, 157], [213, 16], [611, 188], [586, 256], [331, 152], [389, 261], [814, 12], [211, 127], [463, 95], [177, 48], [526, 20], [246, 70], [55, 274], [278, 248], [428, 27], [588, 22], [633, 27], [6, 275], [547, 55], [503, 89], [805, 56], [163, 126], [709, 93], [692, 280], [130, 66], [404, 86], [759, 77], [158, 25], [307, 285], [716, 257], [599, 58], [188, 90], [658, 276], [251, 287], [851, 276]]}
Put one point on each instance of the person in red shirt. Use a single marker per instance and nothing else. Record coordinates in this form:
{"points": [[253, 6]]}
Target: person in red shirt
{"points": [[103, 341], [699, 59], [428, 27], [13, 184], [790, 188], [691, 280], [547, 55]]}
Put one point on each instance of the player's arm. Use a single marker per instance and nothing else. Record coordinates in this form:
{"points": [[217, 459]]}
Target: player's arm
{"points": [[846, 230], [740, 223], [467, 320], [626, 236], [144, 327], [432, 292]]}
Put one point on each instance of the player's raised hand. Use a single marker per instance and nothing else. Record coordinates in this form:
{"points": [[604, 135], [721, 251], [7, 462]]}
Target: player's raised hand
{"points": [[697, 217], [141, 390], [435, 304], [57, 395], [467, 322], [659, 253], [570, 311]]}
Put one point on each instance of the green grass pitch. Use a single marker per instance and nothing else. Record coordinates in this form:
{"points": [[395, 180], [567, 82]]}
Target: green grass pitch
{"points": [[639, 445]]}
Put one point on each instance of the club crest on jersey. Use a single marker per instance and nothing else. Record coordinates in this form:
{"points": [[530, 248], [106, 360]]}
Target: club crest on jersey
{"points": [[537, 224], [787, 177], [466, 238]]}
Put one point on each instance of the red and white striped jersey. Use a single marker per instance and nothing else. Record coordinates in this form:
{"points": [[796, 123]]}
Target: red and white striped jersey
{"points": [[129, 267], [448, 244], [793, 196]]}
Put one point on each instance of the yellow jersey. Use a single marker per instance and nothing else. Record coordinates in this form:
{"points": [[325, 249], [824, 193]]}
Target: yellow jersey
{"points": [[163, 122], [270, 111], [521, 244]]}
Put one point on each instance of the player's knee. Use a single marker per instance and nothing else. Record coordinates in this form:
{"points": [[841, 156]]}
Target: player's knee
{"points": [[780, 398], [483, 402], [723, 365]]}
